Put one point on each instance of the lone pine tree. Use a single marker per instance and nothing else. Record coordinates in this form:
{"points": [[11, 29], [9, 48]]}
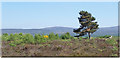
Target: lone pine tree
{"points": [[87, 24]]}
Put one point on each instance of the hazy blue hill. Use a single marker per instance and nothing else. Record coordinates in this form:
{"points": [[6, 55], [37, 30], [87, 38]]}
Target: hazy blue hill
{"points": [[107, 31], [61, 30], [31, 31]]}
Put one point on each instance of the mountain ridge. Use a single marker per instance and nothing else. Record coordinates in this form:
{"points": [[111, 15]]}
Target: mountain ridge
{"points": [[54, 27], [61, 30]]}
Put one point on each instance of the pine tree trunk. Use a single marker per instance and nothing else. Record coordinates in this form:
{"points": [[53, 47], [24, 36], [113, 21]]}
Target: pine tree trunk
{"points": [[89, 35]]}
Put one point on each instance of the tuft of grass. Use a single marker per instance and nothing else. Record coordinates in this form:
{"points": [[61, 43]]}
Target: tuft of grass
{"points": [[111, 41], [66, 39], [106, 36], [115, 48], [114, 54], [87, 40]]}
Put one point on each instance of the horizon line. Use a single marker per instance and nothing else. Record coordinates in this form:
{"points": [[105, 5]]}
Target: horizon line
{"points": [[52, 27]]}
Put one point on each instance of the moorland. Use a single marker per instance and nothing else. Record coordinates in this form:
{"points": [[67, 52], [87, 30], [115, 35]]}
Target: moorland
{"points": [[20, 44]]}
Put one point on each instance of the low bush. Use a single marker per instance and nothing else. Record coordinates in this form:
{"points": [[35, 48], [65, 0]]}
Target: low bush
{"points": [[52, 36], [29, 39], [115, 48], [57, 36], [85, 37], [11, 44], [20, 34], [106, 36], [111, 41], [66, 36], [5, 34], [37, 38], [5, 38], [80, 38]]}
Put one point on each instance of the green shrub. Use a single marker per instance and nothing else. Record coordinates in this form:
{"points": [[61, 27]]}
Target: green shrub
{"points": [[16, 35], [66, 36], [20, 38], [85, 37], [11, 44], [71, 37], [42, 39], [38, 38], [5, 34], [75, 37], [20, 34], [63, 36], [106, 36], [66, 39], [80, 38], [23, 44], [52, 36], [87, 40], [115, 48], [111, 41], [19, 41], [5, 37], [114, 54], [29, 38], [11, 37], [57, 36], [92, 38]]}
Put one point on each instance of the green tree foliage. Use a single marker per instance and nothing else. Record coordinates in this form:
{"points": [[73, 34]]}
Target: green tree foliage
{"points": [[88, 24]]}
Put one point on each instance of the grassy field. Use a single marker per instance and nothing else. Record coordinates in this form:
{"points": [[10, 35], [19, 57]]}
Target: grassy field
{"points": [[54, 45]]}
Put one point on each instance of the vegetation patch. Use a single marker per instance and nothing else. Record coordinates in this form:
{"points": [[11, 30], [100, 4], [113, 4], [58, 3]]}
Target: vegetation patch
{"points": [[54, 45]]}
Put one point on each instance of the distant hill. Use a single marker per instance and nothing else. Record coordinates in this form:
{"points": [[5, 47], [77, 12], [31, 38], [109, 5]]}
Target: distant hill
{"points": [[107, 31], [60, 30]]}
